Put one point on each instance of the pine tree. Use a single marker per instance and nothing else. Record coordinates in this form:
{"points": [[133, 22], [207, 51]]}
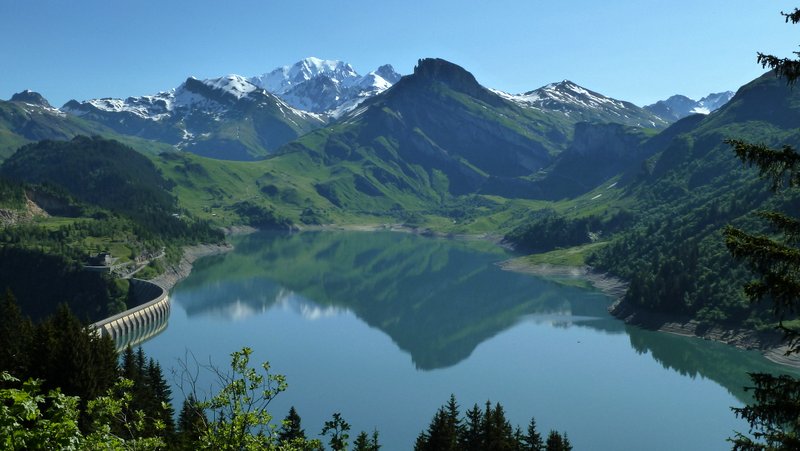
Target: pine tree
{"points": [[533, 440], [365, 442], [162, 396], [192, 423], [362, 442], [291, 429], [16, 337], [498, 433], [774, 414], [472, 438], [557, 442]]}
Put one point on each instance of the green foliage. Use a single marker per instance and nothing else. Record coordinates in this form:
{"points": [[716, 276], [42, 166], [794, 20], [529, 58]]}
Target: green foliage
{"points": [[773, 414], [109, 175], [263, 218], [483, 430], [557, 442], [149, 393], [694, 189], [549, 231], [41, 282], [192, 421], [12, 196], [238, 416], [32, 420], [94, 170], [364, 442], [112, 413], [338, 430], [291, 429]]}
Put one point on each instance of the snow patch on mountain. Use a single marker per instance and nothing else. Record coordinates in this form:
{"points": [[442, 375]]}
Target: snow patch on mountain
{"points": [[569, 93], [232, 84], [579, 103], [331, 87], [283, 79], [679, 106]]}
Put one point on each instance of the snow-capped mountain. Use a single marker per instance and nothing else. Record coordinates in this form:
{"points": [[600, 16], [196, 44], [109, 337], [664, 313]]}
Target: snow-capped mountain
{"points": [[325, 86], [227, 117], [580, 104], [678, 106]]}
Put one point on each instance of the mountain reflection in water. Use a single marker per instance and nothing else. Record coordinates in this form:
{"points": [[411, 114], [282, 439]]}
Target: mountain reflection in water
{"points": [[436, 299]]}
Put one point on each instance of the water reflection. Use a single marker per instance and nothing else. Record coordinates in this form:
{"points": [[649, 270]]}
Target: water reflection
{"points": [[437, 299]]}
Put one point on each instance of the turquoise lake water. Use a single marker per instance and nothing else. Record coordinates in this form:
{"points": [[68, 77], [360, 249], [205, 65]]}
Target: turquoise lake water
{"points": [[383, 327]]}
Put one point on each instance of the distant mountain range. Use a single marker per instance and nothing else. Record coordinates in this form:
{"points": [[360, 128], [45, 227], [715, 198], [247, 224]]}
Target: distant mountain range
{"points": [[240, 118], [580, 104], [227, 117], [678, 106], [325, 86]]}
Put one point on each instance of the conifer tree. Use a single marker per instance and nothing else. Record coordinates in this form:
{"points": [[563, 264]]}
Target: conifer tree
{"points": [[192, 423], [362, 442], [557, 442], [291, 428], [472, 439], [533, 440], [162, 396], [16, 337], [774, 416]]}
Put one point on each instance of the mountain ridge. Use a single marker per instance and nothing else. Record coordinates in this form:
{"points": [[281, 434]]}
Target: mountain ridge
{"points": [[679, 106]]}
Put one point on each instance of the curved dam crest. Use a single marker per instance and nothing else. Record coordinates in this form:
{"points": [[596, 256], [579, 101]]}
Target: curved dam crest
{"points": [[138, 324]]}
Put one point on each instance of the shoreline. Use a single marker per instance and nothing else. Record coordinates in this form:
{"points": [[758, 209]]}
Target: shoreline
{"points": [[769, 344], [400, 228], [175, 273]]}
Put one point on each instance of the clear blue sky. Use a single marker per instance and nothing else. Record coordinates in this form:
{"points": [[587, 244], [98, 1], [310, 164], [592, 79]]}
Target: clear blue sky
{"points": [[636, 50]]}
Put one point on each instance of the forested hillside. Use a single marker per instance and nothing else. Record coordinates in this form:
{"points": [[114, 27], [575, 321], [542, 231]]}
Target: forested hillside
{"points": [[69, 200], [674, 254]]}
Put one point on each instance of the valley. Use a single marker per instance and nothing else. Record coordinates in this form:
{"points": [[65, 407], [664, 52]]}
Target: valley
{"points": [[554, 181]]}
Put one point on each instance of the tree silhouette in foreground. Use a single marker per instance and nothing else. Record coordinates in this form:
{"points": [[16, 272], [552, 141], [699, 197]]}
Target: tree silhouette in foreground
{"points": [[484, 430], [774, 416]]}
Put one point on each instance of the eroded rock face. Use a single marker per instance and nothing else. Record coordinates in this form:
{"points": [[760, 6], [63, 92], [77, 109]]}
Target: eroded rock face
{"points": [[10, 217]]}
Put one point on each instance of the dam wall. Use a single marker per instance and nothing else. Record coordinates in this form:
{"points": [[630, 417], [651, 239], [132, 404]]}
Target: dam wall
{"points": [[137, 324]]}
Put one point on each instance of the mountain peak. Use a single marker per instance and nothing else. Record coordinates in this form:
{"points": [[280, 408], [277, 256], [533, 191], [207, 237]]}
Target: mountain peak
{"points": [[324, 86], [440, 69], [451, 74], [388, 73], [679, 106], [31, 97]]}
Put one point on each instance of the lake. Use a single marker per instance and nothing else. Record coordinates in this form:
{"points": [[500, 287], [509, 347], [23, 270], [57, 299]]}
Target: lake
{"points": [[384, 326]]}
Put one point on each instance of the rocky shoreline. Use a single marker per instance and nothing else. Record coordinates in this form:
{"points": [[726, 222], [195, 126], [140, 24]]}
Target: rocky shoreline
{"points": [[175, 273], [610, 285], [769, 343]]}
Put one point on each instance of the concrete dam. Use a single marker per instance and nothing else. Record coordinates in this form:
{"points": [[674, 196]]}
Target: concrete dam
{"points": [[138, 324]]}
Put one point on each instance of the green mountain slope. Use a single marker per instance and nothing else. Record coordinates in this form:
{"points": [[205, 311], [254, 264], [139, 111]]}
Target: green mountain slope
{"points": [[674, 255], [105, 174], [62, 201], [435, 135], [29, 118]]}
